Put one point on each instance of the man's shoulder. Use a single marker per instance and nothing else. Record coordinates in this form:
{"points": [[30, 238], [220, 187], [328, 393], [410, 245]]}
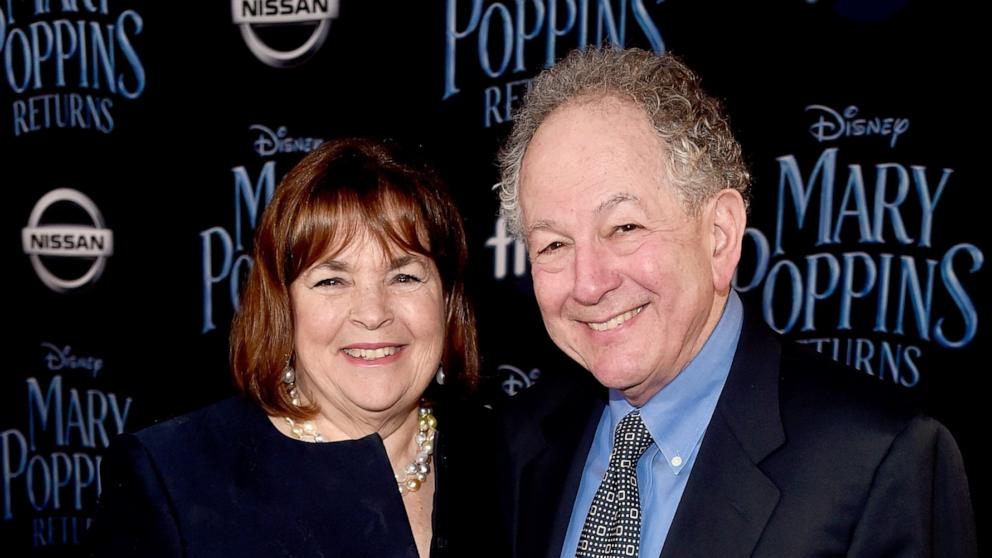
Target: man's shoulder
{"points": [[562, 386], [831, 413], [807, 409], [812, 389], [564, 394], [812, 385]]}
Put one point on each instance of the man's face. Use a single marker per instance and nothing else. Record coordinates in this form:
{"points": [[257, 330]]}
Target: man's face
{"points": [[623, 276]]}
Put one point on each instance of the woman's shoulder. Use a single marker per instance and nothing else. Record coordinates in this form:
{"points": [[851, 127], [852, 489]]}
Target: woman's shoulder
{"points": [[217, 418], [209, 430]]}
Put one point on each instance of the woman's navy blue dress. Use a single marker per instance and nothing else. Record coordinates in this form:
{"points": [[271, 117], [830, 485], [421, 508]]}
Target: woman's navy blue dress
{"points": [[222, 481]]}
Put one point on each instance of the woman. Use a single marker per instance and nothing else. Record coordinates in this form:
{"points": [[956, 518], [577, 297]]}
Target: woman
{"points": [[354, 312]]}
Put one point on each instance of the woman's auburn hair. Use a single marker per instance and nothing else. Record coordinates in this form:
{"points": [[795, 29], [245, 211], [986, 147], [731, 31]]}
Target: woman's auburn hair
{"points": [[343, 189]]}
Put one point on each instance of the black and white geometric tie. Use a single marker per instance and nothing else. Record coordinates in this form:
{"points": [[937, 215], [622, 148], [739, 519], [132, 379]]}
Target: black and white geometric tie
{"points": [[613, 526]]}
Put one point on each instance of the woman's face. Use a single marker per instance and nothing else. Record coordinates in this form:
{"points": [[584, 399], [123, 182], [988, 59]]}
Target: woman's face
{"points": [[369, 329]]}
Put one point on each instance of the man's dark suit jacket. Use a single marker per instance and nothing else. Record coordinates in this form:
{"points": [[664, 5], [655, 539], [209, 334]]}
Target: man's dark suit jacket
{"points": [[802, 458]]}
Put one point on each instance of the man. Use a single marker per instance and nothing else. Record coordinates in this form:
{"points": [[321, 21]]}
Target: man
{"points": [[702, 435]]}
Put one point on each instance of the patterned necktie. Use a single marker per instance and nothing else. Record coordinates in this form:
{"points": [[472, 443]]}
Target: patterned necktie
{"points": [[613, 526]]}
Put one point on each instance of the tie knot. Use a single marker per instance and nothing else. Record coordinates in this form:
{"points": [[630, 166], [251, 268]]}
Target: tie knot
{"points": [[630, 440]]}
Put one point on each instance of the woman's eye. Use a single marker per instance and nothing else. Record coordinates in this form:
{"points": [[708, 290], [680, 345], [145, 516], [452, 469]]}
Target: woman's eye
{"points": [[407, 278], [329, 282], [551, 247], [628, 227]]}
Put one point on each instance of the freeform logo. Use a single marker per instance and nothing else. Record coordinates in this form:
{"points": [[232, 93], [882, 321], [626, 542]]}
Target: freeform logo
{"points": [[271, 142], [79, 241], [515, 380], [297, 13]]}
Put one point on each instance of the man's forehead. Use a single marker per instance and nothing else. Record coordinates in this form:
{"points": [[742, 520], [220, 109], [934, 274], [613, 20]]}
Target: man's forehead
{"points": [[611, 137], [605, 103]]}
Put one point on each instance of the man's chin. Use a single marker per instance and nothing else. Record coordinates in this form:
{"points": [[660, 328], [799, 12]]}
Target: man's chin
{"points": [[615, 379], [636, 390]]}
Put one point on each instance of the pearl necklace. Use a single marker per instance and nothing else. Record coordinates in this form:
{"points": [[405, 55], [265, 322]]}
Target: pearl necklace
{"points": [[414, 474]]}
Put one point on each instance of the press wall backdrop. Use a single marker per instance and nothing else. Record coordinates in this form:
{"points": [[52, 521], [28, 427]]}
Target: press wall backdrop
{"points": [[140, 142]]}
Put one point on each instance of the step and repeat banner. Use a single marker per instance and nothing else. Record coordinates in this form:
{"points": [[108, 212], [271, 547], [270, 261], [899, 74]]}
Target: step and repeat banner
{"points": [[141, 141]]}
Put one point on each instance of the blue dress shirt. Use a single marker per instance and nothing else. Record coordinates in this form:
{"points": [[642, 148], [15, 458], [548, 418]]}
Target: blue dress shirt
{"points": [[676, 417]]}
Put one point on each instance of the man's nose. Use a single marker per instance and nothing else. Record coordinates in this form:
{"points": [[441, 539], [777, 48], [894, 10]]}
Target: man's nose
{"points": [[595, 274]]}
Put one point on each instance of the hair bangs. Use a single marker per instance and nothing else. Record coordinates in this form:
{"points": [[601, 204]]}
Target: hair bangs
{"points": [[334, 218]]}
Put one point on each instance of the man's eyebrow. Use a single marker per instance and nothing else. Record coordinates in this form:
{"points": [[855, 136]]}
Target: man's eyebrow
{"points": [[615, 200], [609, 203], [541, 225]]}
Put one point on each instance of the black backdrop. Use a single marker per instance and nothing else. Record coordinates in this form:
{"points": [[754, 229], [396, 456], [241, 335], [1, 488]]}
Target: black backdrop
{"points": [[139, 141]]}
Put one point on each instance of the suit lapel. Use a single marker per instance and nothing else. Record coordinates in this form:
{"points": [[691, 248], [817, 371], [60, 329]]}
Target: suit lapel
{"points": [[549, 479], [728, 499]]}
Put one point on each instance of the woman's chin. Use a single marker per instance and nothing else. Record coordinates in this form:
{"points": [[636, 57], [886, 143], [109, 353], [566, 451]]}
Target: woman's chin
{"points": [[384, 404]]}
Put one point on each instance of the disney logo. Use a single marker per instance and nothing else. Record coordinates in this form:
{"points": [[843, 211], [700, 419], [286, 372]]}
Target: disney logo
{"points": [[517, 380], [59, 359], [279, 141], [831, 124]]}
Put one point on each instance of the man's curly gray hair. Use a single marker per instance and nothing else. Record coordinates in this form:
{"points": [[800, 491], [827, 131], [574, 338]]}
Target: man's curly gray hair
{"points": [[701, 155]]}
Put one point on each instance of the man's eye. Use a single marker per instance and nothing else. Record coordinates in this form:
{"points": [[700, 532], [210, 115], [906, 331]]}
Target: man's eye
{"points": [[551, 247], [628, 227]]}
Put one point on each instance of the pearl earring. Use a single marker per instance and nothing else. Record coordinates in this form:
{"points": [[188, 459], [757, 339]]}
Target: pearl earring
{"points": [[289, 380]]}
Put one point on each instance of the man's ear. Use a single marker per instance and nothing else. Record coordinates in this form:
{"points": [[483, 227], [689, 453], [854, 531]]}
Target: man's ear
{"points": [[729, 219]]}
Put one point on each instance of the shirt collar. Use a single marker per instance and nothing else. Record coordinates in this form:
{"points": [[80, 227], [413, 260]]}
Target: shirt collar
{"points": [[678, 414]]}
